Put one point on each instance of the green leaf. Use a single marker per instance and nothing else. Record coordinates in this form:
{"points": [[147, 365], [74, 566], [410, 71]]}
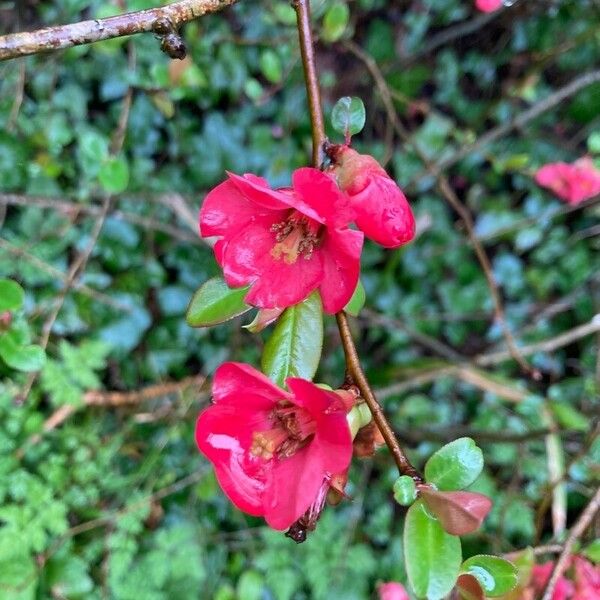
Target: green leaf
{"points": [[270, 65], [405, 490], [432, 556], [68, 577], [592, 551], [250, 586], [21, 358], [497, 576], [335, 21], [593, 143], [114, 175], [357, 301], [294, 348], [569, 417], [348, 115], [215, 303], [455, 466], [11, 295]]}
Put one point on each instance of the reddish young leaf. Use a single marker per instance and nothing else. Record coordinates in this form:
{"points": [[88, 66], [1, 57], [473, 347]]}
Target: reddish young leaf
{"points": [[458, 512], [468, 588]]}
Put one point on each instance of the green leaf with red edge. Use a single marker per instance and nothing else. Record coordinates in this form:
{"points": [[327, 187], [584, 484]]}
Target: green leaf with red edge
{"points": [[294, 348], [497, 576], [348, 116], [455, 465], [214, 302], [432, 556], [459, 513], [468, 588]]}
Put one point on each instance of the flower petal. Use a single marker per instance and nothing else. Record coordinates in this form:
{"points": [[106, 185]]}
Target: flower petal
{"points": [[292, 487], [341, 267], [257, 190], [321, 199], [275, 283], [223, 435], [238, 380], [383, 212], [226, 210]]}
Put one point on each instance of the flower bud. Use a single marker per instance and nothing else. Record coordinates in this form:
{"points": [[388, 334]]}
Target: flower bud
{"points": [[381, 209]]}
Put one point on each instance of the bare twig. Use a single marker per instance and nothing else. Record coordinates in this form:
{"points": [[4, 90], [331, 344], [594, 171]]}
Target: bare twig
{"points": [[449, 194], [58, 274], [114, 400], [583, 522], [549, 345], [353, 367], [517, 122], [87, 32]]}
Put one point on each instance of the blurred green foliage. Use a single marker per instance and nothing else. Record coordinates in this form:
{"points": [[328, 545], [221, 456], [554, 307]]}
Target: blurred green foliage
{"points": [[116, 502]]}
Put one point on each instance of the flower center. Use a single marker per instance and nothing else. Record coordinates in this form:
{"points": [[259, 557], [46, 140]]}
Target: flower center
{"points": [[297, 235], [292, 429]]}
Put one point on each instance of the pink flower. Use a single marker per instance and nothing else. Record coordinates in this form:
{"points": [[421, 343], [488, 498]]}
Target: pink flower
{"points": [[540, 575], [274, 452], [392, 591], [488, 5], [573, 183], [381, 209], [284, 243], [587, 579]]}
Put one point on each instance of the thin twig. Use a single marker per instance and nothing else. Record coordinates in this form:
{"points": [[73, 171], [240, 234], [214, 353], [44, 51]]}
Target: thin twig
{"points": [[548, 345], [554, 99], [87, 32], [77, 286], [302, 8], [576, 532], [449, 194], [18, 101]]}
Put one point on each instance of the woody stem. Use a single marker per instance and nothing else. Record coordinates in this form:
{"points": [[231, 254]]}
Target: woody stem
{"points": [[353, 366]]}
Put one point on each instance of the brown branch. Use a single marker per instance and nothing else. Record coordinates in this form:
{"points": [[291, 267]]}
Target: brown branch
{"points": [[302, 8], [358, 377], [114, 400], [449, 194], [87, 32], [576, 532], [519, 121], [549, 345]]}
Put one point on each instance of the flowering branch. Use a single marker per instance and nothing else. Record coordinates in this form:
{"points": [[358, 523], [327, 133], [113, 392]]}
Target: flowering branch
{"points": [[163, 21], [353, 366]]}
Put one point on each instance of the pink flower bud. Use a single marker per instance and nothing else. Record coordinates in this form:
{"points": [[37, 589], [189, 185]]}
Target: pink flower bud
{"points": [[392, 591], [381, 209]]}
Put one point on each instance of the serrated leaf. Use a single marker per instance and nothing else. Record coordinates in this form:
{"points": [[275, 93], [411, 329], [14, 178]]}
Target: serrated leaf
{"points": [[357, 301], [22, 358], [432, 556], [114, 175], [294, 348], [11, 295], [214, 302], [455, 466], [497, 576], [335, 21], [348, 116]]}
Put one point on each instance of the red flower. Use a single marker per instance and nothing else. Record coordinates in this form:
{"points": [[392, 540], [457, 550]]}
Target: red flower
{"points": [[573, 183], [284, 243], [392, 591], [381, 209], [488, 5], [273, 451], [587, 579], [540, 575]]}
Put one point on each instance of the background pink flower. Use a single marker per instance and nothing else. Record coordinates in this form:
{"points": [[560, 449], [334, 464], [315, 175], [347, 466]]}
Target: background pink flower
{"points": [[273, 451], [571, 182], [488, 5], [284, 243]]}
